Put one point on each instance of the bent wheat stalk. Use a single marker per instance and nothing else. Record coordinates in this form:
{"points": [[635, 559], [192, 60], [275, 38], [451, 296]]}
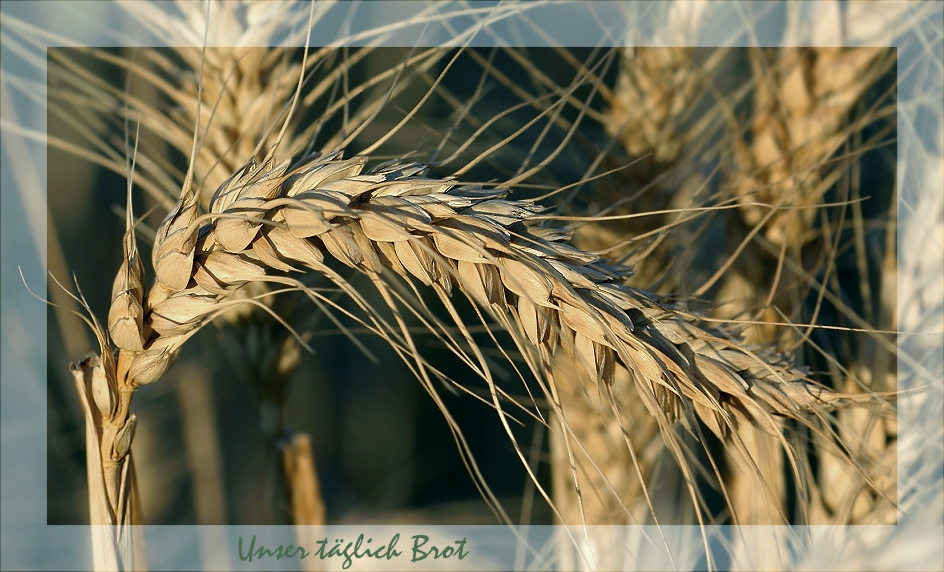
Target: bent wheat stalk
{"points": [[270, 221]]}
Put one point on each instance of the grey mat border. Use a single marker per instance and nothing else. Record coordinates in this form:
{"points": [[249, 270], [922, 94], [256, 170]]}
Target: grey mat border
{"points": [[26, 542]]}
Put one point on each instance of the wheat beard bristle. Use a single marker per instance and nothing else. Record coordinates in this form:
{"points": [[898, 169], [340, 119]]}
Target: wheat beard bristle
{"points": [[446, 234]]}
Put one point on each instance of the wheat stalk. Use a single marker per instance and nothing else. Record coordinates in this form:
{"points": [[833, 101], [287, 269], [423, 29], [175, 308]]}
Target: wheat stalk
{"points": [[113, 497]]}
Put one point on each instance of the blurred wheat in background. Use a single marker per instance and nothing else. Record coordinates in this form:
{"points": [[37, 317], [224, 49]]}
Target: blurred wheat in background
{"points": [[347, 283]]}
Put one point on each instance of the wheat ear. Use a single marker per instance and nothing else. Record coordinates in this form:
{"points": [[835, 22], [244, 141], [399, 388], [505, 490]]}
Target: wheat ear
{"points": [[803, 99], [499, 252], [242, 93]]}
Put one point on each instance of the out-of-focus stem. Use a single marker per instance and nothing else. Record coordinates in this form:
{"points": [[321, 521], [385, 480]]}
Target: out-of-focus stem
{"points": [[300, 480], [198, 414]]}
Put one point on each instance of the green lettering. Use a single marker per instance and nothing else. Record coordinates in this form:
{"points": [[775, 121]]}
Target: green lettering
{"points": [[416, 547], [392, 551], [321, 549], [263, 552], [462, 552], [252, 545]]}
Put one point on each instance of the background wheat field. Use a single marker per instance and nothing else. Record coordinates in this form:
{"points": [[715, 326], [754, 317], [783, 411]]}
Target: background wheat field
{"points": [[759, 180]]}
